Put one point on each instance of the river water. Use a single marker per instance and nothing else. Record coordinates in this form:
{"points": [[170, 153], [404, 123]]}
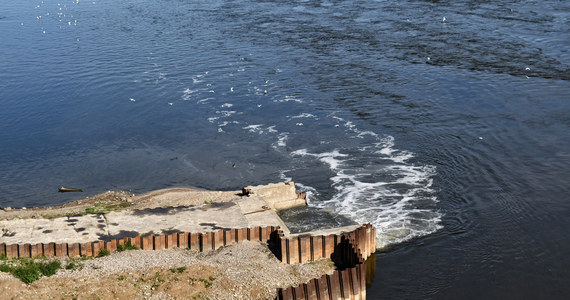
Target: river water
{"points": [[445, 124]]}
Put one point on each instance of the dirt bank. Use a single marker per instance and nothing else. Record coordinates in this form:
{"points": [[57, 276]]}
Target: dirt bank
{"points": [[247, 270]]}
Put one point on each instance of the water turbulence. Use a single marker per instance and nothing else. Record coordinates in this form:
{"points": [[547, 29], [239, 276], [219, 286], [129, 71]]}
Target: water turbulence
{"points": [[378, 184]]}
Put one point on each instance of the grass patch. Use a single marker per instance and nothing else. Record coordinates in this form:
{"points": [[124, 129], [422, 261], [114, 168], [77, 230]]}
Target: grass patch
{"points": [[29, 270], [3, 256], [121, 277], [101, 207], [73, 264], [96, 208], [178, 270], [127, 246], [207, 283], [103, 252]]}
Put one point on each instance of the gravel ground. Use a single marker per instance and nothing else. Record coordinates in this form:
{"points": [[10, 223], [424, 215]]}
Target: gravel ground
{"points": [[247, 270]]}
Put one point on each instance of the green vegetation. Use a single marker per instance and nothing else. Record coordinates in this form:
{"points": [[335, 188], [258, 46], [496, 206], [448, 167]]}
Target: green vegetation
{"points": [[100, 208], [121, 277], [97, 208], [208, 202], [103, 252], [127, 246], [207, 283], [178, 270], [74, 264], [29, 270], [3, 256]]}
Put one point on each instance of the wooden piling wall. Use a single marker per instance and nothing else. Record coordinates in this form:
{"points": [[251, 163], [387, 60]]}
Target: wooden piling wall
{"points": [[348, 250], [194, 241]]}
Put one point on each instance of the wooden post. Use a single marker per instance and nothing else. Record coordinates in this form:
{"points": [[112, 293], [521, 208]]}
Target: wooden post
{"points": [[323, 287], [86, 249], [148, 242], [61, 249], [36, 250], [24, 250], [74, 250], [293, 248], [195, 242], [12, 251], [183, 240], [159, 242], [305, 249]]}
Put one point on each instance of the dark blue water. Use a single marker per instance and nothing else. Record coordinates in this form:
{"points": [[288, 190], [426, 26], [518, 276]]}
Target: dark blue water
{"points": [[443, 123]]}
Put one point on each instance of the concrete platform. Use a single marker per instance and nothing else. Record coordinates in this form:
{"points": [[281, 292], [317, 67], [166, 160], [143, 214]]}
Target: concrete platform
{"points": [[162, 212]]}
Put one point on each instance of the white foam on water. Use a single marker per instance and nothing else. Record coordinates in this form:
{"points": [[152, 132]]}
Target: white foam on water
{"points": [[309, 190], [202, 101], [386, 146], [364, 133], [382, 188], [304, 115], [254, 128], [227, 105], [225, 113], [290, 99], [284, 177], [224, 124], [330, 158], [281, 140], [197, 79]]}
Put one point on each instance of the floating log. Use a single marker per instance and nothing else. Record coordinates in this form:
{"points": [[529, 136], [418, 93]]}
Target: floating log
{"points": [[66, 190]]}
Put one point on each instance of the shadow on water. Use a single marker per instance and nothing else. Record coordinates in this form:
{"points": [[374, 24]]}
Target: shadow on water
{"points": [[306, 218]]}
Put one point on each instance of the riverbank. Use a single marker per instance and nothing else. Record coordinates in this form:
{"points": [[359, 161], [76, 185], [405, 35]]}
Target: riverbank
{"points": [[208, 244], [246, 270]]}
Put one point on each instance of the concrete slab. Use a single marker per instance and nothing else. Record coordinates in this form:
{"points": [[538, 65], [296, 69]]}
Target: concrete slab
{"points": [[164, 211], [257, 213]]}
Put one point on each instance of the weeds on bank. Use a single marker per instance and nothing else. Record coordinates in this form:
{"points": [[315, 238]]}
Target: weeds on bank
{"points": [[127, 246], [100, 208], [178, 270], [97, 208], [103, 252], [207, 283], [75, 263], [29, 270]]}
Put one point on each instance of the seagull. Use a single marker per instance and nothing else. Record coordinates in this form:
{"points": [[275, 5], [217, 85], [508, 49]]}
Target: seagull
{"points": [[444, 19]]}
